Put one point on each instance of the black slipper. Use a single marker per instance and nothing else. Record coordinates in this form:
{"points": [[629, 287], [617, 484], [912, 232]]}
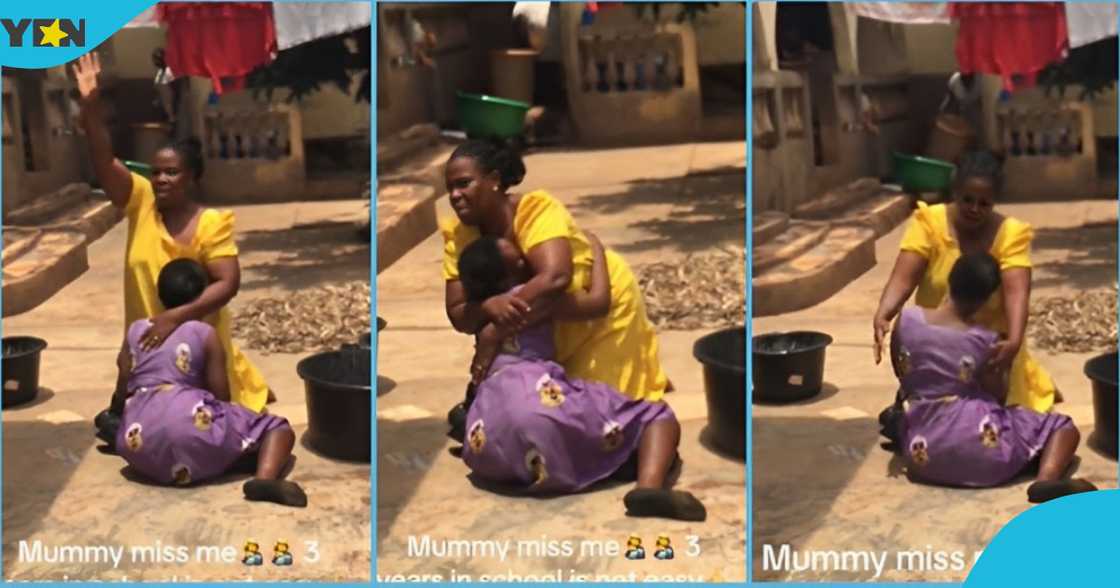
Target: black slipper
{"points": [[279, 491], [669, 504], [1047, 490]]}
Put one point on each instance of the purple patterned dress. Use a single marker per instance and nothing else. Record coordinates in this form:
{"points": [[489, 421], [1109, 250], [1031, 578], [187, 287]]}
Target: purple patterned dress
{"points": [[173, 431], [954, 433], [531, 425]]}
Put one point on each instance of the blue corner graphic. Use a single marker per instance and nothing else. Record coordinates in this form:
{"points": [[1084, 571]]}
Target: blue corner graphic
{"points": [[46, 34], [1068, 542]]}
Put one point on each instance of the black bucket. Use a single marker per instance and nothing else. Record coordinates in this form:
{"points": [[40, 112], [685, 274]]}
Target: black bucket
{"points": [[339, 402], [21, 369], [1101, 370], [723, 355], [364, 341], [788, 366]]}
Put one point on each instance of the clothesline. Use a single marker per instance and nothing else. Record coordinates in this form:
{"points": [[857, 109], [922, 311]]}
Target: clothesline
{"points": [[1014, 40], [296, 22], [226, 41]]}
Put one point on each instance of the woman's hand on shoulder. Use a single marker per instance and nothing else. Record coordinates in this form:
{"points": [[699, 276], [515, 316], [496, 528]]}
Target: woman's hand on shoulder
{"points": [[163, 324]]}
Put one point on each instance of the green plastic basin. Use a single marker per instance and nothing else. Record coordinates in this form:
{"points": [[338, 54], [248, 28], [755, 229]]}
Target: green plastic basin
{"points": [[922, 174], [491, 117], [138, 168]]}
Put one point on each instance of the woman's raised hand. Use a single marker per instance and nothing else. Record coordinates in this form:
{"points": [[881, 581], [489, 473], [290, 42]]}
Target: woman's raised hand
{"points": [[85, 73]]}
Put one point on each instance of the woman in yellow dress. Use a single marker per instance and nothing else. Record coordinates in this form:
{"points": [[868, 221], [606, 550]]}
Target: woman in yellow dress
{"points": [[619, 349], [165, 223], [935, 239]]}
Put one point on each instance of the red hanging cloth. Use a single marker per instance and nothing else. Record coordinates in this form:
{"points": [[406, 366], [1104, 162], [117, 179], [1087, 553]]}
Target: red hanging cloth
{"points": [[595, 7], [218, 40], [1014, 40]]}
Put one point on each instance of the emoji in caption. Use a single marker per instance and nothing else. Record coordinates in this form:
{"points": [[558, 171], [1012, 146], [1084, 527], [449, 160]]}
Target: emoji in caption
{"points": [[664, 547], [634, 549], [281, 556], [252, 554]]}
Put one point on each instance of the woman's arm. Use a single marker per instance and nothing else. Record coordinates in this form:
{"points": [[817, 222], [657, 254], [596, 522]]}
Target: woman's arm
{"points": [[908, 270], [595, 302], [115, 178], [896, 350], [994, 380], [225, 280], [217, 380], [551, 265], [466, 317], [124, 367], [1016, 303], [487, 344]]}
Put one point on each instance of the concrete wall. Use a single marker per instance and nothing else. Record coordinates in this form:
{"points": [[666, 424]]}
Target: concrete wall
{"points": [[39, 99], [721, 35], [410, 94]]}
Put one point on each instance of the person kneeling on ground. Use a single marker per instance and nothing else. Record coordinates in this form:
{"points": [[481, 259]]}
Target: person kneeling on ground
{"points": [[954, 429], [532, 425], [178, 425]]}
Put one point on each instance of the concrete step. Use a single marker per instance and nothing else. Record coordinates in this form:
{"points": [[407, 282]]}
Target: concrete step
{"points": [[398, 148], [406, 216], [43, 209], [799, 237], [836, 201], [767, 225], [882, 212], [407, 189], [75, 206], [846, 252], [38, 262]]}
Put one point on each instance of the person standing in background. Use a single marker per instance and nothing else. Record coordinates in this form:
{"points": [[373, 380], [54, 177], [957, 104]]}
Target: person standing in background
{"points": [[173, 95]]}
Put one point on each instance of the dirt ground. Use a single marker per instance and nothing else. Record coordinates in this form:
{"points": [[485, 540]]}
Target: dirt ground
{"points": [[821, 483], [650, 204], [60, 490]]}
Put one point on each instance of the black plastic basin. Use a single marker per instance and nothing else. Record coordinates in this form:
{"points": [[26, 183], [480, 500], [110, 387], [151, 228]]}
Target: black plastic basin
{"points": [[21, 369], [788, 366], [339, 402], [1101, 371], [364, 341], [723, 355]]}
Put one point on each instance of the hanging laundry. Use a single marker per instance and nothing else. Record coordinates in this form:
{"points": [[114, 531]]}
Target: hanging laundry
{"points": [[1014, 40], [1089, 23], [223, 41], [597, 6], [902, 12], [301, 22]]}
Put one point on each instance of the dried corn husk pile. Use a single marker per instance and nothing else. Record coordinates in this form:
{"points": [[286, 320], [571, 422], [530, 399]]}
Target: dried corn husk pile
{"points": [[1081, 324], [701, 291], [311, 320]]}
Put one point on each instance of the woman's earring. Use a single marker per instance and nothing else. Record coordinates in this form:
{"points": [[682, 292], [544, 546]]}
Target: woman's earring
{"points": [[495, 188]]}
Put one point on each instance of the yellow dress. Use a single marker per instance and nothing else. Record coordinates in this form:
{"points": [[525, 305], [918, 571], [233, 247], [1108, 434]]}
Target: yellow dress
{"points": [[620, 349], [929, 235], [150, 247]]}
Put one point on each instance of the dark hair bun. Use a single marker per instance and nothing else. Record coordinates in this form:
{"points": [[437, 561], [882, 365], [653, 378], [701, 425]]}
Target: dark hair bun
{"points": [[494, 156], [981, 164], [190, 151]]}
